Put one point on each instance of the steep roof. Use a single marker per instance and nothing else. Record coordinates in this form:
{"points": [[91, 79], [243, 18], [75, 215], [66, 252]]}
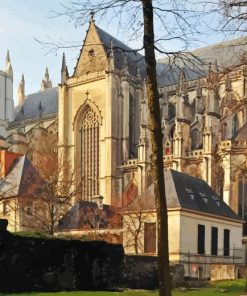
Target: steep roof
{"points": [[241, 134], [47, 100], [227, 54], [85, 213], [96, 50], [190, 193], [121, 51], [22, 180]]}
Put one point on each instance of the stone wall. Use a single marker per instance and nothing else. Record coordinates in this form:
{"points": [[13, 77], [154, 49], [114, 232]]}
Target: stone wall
{"points": [[141, 272], [219, 272], [39, 264]]}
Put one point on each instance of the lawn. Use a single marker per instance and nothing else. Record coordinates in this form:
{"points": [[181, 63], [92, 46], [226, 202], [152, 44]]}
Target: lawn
{"points": [[233, 288]]}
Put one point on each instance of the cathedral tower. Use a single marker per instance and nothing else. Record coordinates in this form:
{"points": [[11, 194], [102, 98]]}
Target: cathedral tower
{"points": [[96, 132]]}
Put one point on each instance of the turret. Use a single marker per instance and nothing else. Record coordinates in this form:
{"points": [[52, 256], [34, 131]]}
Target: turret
{"points": [[8, 67], [46, 82], [111, 58], [212, 101], [199, 105], [182, 101], [125, 66], [9, 90], [21, 91]]}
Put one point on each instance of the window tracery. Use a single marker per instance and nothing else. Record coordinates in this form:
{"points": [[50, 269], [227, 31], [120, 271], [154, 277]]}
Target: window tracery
{"points": [[89, 150]]}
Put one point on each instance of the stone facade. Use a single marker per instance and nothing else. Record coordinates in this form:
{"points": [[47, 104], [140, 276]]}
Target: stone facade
{"points": [[100, 121]]}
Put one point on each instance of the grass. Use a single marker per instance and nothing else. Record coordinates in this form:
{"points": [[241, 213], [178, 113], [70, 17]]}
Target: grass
{"points": [[234, 288]]}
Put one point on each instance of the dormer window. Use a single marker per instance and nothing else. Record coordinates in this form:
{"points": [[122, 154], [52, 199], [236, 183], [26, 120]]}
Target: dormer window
{"points": [[190, 193], [216, 199], [204, 196]]}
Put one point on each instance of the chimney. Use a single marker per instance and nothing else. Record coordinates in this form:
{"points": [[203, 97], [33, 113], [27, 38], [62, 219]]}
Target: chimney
{"points": [[98, 199]]}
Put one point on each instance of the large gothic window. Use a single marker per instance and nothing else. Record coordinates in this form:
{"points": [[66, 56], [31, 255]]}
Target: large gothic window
{"points": [[89, 151]]}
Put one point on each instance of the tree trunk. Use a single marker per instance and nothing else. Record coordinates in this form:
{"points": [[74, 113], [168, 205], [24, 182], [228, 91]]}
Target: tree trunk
{"points": [[157, 149]]}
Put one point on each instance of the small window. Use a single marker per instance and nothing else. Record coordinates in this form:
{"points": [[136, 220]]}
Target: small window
{"points": [[201, 239], [204, 196], [190, 193], [226, 242], [216, 199], [214, 241]]}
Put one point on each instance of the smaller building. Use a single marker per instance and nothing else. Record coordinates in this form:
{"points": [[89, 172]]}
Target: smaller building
{"points": [[203, 230], [20, 185], [92, 220]]}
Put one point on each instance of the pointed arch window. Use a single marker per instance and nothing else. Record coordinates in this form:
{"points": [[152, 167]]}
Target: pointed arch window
{"points": [[89, 152], [195, 139]]}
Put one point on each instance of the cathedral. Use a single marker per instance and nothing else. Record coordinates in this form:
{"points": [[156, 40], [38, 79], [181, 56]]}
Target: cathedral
{"points": [[98, 116]]}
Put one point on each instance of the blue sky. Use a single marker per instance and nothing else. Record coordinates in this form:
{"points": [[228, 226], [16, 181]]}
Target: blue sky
{"points": [[20, 22], [23, 20]]}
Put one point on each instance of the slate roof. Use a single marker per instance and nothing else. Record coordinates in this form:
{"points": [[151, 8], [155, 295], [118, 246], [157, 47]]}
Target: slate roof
{"points": [[22, 180], [190, 193], [84, 213], [47, 99], [227, 54], [241, 134], [121, 50]]}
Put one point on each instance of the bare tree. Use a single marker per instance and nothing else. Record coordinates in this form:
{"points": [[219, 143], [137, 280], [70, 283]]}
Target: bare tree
{"points": [[53, 196], [135, 215]]}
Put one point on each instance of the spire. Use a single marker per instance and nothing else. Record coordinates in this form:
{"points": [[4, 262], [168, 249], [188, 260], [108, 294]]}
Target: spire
{"points": [[46, 74], [21, 91], [9, 69], [138, 72], [91, 17], [46, 82], [40, 110], [7, 57], [111, 62], [228, 84], [64, 70], [125, 66], [213, 75], [199, 88], [182, 85]]}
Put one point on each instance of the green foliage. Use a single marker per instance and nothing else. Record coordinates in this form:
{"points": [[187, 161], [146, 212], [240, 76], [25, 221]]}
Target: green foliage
{"points": [[32, 234], [233, 287]]}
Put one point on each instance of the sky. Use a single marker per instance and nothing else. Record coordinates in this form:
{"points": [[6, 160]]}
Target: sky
{"points": [[23, 21]]}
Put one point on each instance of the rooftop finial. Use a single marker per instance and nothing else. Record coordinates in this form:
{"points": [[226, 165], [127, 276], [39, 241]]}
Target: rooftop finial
{"points": [[64, 70], [92, 13], [46, 82], [7, 57], [21, 91], [111, 63], [63, 63], [40, 110], [138, 71]]}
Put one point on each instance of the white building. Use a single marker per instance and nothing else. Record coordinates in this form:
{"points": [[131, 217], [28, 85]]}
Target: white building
{"points": [[203, 230]]}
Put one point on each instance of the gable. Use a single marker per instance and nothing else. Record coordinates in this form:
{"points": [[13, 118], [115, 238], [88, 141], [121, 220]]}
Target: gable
{"points": [[93, 57]]}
